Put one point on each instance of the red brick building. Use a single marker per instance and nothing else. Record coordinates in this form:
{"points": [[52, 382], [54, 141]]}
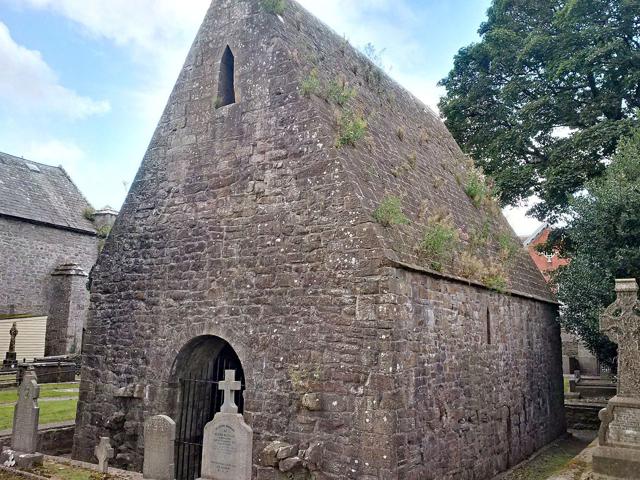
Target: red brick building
{"points": [[546, 263], [575, 356]]}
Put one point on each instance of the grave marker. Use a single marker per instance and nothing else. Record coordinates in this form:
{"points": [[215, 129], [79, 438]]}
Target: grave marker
{"points": [[228, 440], [104, 452], [618, 452], [159, 438], [24, 441]]}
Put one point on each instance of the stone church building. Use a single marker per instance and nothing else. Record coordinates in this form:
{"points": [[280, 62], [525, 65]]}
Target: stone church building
{"points": [[47, 247], [303, 219]]}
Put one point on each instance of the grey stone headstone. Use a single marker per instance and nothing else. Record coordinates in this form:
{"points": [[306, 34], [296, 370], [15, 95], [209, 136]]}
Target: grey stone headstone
{"points": [[159, 437], [26, 416], [227, 448], [103, 453]]}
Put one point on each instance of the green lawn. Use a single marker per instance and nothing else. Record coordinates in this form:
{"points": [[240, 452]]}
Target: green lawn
{"points": [[50, 412], [47, 390], [66, 472]]}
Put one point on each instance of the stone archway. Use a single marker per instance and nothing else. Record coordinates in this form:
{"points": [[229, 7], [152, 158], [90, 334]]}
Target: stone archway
{"points": [[198, 368]]}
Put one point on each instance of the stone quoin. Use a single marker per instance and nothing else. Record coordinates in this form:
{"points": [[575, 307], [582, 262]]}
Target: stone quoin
{"points": [[248, 242]]}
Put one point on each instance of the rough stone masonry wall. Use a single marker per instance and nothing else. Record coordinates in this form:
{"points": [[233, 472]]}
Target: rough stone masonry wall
{"points": [[478, 377], [28, 255], [239, 224]]}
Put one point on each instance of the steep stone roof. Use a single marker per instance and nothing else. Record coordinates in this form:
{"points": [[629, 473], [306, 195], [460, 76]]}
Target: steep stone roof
{"points": [[299, 81], [41, 193], [409, 154]]}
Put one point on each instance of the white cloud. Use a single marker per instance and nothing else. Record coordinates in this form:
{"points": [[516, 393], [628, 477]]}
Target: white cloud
{"points": [[519, 221], [101, 184], [56, 152], [27, 83], [145, 24]]}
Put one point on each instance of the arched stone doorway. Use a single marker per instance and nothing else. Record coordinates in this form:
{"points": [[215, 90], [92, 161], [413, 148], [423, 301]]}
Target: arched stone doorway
{"points": [[198, 368]]}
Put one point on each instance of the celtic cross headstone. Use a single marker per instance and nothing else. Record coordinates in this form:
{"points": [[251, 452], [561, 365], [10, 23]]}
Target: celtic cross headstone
{"points": [[618, 452]]}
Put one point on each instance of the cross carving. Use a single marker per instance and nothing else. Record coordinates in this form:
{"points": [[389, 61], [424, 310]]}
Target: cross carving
{"points": [[229, 386], [104, 451], [621, 323]]}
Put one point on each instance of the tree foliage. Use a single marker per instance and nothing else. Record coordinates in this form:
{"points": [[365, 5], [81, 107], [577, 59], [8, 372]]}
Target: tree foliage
{"points": [[543, 99], [604, 244]]}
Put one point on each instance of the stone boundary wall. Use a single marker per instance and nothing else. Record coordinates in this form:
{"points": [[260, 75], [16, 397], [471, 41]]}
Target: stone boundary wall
{"points": [[51, 441]]}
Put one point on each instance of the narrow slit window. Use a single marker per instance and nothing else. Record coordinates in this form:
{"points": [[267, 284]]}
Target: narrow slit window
{"points": [[226, 81], [488, 327]]}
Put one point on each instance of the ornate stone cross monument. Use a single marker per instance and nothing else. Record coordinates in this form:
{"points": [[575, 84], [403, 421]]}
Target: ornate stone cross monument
{"points": [[618, 452], [10, 360], [228, 441]]}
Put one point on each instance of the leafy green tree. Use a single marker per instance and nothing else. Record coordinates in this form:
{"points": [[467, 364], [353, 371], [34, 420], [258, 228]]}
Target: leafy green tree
{"points": [[603, 242], [543, 99]]}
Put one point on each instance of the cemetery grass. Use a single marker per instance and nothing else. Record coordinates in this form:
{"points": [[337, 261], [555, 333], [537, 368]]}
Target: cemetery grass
{"points": [[50, 412], [67, 472], [48, 390]]}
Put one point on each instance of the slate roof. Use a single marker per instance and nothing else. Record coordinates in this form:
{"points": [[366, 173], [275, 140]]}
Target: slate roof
{"points": [[41, 193]]}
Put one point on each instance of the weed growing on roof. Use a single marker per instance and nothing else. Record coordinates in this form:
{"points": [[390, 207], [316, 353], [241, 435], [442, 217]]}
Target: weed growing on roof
{"points": [[89, 213], [508, 246], [310, 85], [351, 128], [439, 242], [277, 7], [338, 92], [495, 281], [389, 212]]}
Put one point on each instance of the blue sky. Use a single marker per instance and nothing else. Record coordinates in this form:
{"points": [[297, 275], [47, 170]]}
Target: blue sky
{"points": [[83, 82]]}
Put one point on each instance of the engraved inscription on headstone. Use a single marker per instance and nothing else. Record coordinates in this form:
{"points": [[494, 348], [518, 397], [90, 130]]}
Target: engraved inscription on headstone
{"points": [[26, 416], [227, 448], [159, 437], [625, 427], [228, 441], [223, 446]]}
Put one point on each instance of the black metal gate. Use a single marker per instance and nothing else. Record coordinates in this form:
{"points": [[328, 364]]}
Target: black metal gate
{"points": [[200, 400]]}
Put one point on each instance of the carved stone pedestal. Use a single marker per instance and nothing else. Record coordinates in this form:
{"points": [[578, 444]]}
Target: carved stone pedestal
{"points": [[618, 453]]}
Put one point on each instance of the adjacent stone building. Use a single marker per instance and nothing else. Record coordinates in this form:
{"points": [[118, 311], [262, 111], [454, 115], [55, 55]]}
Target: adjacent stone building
{"points": [[47, 248], [302, 219]]}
